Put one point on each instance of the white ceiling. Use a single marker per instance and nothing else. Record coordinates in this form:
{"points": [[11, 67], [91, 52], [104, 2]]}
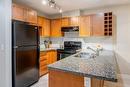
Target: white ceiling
{"points": [[69, 5]]}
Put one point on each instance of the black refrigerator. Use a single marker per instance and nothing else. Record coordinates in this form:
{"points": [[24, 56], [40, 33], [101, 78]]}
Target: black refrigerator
{"points": [[25, 54]]}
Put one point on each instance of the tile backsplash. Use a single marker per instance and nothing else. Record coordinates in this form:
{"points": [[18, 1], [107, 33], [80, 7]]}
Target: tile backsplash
{"points": [[42, 39], [106, 42]]}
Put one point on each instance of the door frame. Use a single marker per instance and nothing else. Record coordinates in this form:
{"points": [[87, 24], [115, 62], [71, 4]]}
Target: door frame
{"points": [[5, 43]]}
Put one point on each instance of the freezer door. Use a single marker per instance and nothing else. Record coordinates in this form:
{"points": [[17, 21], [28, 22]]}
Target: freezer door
{"points": [[25, 66], [24, 34]]}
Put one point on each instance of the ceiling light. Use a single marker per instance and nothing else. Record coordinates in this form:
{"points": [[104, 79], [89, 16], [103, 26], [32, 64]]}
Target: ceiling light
{"points": [[60, 10], [52, 4], [44, 2]]}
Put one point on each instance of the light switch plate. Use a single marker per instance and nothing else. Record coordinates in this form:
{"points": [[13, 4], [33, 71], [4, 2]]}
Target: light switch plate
{"points": [[87, 82]]}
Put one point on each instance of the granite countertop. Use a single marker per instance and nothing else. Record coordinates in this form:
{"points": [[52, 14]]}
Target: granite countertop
{"points": [[48, 49], [102, 67]]}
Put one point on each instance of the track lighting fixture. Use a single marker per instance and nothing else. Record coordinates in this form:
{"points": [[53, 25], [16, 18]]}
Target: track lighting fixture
{"points": [[52, 4]]}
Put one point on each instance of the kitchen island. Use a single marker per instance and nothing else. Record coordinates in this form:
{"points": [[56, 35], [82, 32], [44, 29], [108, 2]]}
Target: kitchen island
{"points": [[70, 72]]}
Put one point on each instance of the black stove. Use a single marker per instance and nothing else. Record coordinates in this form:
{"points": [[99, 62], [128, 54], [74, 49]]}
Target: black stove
{"points": [[70, 48]]}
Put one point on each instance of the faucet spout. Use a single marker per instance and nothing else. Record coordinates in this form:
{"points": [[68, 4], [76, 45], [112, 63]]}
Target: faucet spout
{"points": [[96, 51]]}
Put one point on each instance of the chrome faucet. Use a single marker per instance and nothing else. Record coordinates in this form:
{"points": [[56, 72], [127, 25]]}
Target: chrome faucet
{"points": [[96, 51]]}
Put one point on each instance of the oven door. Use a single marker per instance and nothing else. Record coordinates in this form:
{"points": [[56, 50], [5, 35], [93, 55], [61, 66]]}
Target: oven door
{"points": [[63, 55]]}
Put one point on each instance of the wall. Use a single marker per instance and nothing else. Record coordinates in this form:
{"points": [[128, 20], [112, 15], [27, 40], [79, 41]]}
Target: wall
{"points": [[5, 43]]}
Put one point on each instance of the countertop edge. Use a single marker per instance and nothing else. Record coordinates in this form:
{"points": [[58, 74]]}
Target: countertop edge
{"points": [[84, 74]]}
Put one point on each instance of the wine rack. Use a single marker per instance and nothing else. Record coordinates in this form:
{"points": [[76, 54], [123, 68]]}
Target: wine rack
{"points": [[108, 24]]}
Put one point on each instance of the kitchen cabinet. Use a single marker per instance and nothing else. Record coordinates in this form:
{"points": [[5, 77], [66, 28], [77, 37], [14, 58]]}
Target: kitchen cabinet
{"points": [[59, 78], [44, 26], [25, 14], [56, 28], [70, 21], [109, 24], [31, 16], [47, 57], [18, 12], [65, 22], [74, 21], [98, 24], [43, 63], [85, 26], [103, 24], [52, 57], [40, 24]]}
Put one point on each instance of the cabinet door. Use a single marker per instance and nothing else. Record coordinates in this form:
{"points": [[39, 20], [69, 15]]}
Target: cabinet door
{"points": [[18, 12], [43, 63], [56, 28], [65, 22], [98, 24], [85, 26], [40, 24], [46, 27], [53, 56], [40, 21], [74, 21], [32, 16]]}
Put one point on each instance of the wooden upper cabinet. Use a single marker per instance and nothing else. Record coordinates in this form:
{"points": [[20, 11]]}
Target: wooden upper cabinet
{"points": [[65, 22], [74, 21], [85, 26], [98, 24], [40, 24], [46, 27], [18, 12], [31, 16], [25, 14], [56, 28], [70, 21], [40, 21]]}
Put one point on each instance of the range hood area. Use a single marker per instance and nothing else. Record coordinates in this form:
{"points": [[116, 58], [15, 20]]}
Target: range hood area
{"points": [[70, 29]]}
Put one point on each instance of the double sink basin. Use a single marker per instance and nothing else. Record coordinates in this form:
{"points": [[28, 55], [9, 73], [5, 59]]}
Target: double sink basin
{"points": [[85, 55]]}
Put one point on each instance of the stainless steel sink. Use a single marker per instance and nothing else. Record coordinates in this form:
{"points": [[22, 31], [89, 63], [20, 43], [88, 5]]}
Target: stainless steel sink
{"points": [[85, 55]]}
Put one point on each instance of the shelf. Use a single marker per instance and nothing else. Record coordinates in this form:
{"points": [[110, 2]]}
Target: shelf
{"points": [[108, 24]]}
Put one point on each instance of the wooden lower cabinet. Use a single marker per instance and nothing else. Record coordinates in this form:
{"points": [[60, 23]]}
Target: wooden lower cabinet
{"points": [[59, 78], [52, 56], [43, 63], [47, 57]]}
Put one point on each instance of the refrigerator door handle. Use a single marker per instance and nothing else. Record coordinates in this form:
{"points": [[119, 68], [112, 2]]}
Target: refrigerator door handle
{"points": [[15, 47]]}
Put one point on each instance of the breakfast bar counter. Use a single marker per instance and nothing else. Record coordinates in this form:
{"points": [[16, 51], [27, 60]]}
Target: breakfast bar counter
{"points": [[72, 70]]}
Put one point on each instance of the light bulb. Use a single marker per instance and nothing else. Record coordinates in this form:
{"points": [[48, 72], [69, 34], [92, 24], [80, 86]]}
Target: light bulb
{"points": [[44, 2], [60, 11]]}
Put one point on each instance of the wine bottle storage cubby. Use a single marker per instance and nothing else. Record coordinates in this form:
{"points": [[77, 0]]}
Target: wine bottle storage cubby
{"points": [[108, 24]]}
